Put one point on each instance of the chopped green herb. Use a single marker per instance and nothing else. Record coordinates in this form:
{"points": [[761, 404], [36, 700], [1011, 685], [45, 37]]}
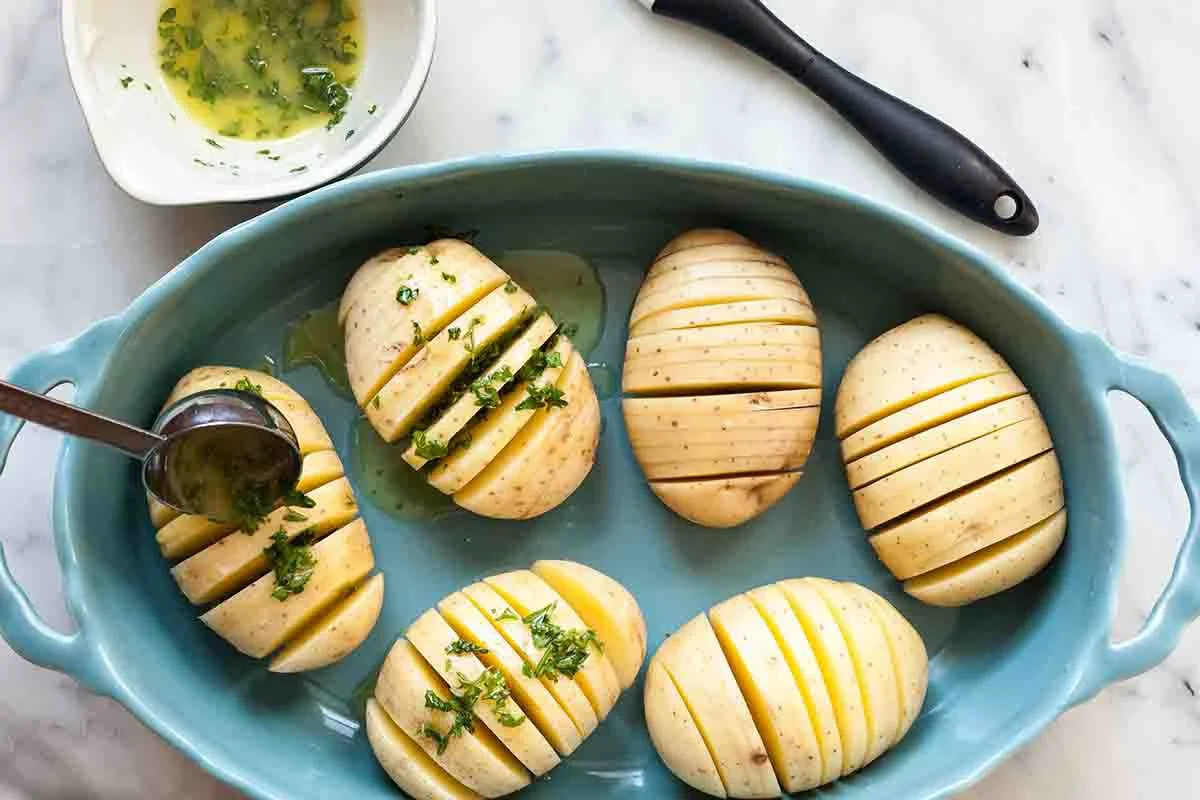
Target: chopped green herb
{"points": [[213, 143], [266, 151], [433, 260], [564, 651], [418, 334], [406, 294], [147, 86], [429, 732], [292, 562], [538, 363], [244, 385], [448, 278], [490, 687], [371, 109], [295, 499], [251, 505], [299, 169], [507, 614], [428, 448], [232, 129], [294, 516], [469, 344], [461, 647], [412, 251], [542, 397], [349, 133], [486, 388], [511, 287], [376, 401], [126, 81], [203, 163], [454, 333], [168, 15]]}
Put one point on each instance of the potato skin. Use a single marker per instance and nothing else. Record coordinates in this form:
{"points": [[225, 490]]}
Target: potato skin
{"points": [[708, 697]]}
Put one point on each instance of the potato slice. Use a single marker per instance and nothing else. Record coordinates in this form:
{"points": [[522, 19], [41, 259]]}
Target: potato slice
{"points": [[379, 326], [939, 439], [526, 593], [567, 692], [993, 569], [335, 635], [236, 560], [421, 381], [257, 624], [724, 502], [829, 644], [519, 483], [712, 252], [675, 735], [406, 764], [374, 269], [475, 759], [917, 360], [475, 625], [433, 637], [702, 237], [773, 605], [669, 281], [921, 483], [701, 436], [909, 659], [466, 407], [926, 414], [160, 514], [770, 690], [871, 654], [606, 607], [784, 311], [1000, 507], [693, 659], [493, 433], [716, 291]]}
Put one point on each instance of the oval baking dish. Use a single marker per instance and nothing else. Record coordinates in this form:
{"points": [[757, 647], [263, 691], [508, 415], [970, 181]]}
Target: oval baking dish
{"points": [[1000, 670]]}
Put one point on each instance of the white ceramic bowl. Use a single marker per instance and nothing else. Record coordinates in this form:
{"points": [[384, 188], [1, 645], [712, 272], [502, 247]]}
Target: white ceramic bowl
{"points": [[158, 154]]}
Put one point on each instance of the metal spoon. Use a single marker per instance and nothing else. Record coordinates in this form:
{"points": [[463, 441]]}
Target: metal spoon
{"points": [[222, 454]]}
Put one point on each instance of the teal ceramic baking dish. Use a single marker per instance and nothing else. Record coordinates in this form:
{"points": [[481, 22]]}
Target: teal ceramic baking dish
{"points": [[1001, 669]]}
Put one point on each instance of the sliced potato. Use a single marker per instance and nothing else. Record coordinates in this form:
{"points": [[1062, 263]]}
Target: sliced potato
{"points": [[782, 311], [917, 360], [675, 735], [729, 340], [702, 237], [475, 625], [475, 759], [406, 763], [235, 560], [335, 635], [160, 514], [606, 607], [908, 655], [455, 418], [526, 593], [993, 569], [493, 433], [434, 639], [359, 287], [379, 325], [669, 281], [730, 251], [701, 436], [521, 482], [921, 483], [992, 511], [724, 502], [926, 414], [258, 624], [417, 385], [714, 291]]}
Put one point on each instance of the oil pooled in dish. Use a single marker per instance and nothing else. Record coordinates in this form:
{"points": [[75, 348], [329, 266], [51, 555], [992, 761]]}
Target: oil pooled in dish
{"points": [[261, 69]]}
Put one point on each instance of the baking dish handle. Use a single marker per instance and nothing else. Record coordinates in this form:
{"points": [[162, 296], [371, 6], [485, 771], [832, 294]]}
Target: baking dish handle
{"points": [[76, 362], [1179, 603]]}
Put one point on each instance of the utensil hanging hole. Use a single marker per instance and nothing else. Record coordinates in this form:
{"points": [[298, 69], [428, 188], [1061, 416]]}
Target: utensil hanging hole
{"points": [[1007, 206]]}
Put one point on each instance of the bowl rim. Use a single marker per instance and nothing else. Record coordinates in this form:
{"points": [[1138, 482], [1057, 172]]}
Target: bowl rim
{"points": [[206, 260], [348, 161]]}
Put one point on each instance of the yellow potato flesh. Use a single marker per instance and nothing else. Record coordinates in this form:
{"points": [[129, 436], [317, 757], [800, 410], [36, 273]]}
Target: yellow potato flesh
{"points": [[407, 764], [911, 663], [657, 292], [374, 269], [933, 411], [606, 607], [432, 636], [526, 593], [774, 699], [421, 381], [693, 659], [336, 634], [713, 251], [235, 560], [475, 625], [917, 360], [476, 760], [926, 481], [379, 327], [991, 511], [993, 569], [675, 735], [258, 624], [783, 311], [455, 418], [724, 502], [702, 237], [701, 436], [715, 291], [493, 433]]}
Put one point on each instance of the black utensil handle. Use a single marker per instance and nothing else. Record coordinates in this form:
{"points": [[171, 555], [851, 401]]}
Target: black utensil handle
{"points": [[929, 152]]}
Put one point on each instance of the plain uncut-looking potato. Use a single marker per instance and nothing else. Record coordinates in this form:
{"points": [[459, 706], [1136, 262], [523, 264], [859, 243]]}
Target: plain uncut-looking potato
{"points": [[784, 688], [500, 681], [723, 374], [225, 569], [445, 350], [951, 465]]}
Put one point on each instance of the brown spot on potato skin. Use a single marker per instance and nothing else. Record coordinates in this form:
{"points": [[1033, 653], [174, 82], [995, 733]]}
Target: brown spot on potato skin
{"points": [[758, 757]]}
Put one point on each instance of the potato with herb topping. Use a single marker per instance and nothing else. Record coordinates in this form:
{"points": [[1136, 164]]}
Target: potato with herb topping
{"points": [[503, 679], [295, 581], [444, 349]]}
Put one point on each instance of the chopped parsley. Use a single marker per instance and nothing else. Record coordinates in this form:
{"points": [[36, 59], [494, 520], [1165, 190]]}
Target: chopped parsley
{"points": [[489, 687], [510, 287], [295, 499], [213, 143], [542, 397], [251, 505], [564, 651], [469, 343], [412, 251], [507, 614], [292, 561], [299, 169], [376, 402], [405, 295], [126, 81], [539, 363], [448, 278], [461, 647], [486, 387], [427, 447], [433, 260], [244, 385], [294, 516], [454, 333], [371, 109], [418, 334]]}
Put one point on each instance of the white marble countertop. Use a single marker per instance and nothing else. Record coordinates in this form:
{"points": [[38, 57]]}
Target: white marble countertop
{"points": [[1089, 103]]}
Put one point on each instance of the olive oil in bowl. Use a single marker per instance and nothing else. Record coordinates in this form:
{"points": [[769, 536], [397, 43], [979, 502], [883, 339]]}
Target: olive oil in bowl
{"points": [[261, 69]]}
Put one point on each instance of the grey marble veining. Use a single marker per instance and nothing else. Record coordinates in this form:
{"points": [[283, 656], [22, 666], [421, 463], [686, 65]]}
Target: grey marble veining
{"points": [[1089, 103]]}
